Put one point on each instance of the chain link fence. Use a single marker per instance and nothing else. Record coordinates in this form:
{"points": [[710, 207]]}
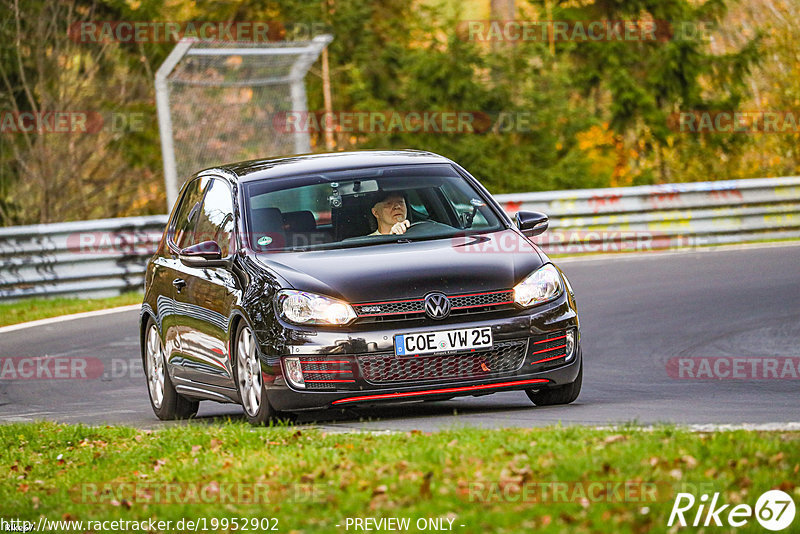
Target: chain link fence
{"points": [[218, 102]]}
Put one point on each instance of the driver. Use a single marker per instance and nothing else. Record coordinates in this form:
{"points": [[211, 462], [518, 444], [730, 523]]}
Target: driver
{"points": [[391, 213]]}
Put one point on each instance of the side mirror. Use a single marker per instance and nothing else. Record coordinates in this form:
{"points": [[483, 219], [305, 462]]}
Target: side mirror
{"points": [[205, 254], [531, 222]]}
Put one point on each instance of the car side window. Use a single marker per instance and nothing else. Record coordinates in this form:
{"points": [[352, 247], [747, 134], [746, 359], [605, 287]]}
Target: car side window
{"points": [[465, 205], [182, 229], [416, 202], [215, 220]]}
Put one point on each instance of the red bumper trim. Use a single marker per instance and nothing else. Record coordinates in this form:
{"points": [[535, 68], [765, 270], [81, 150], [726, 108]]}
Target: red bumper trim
{"points": [[549, 359], [549, 339], [439, 391], [548, 350]]}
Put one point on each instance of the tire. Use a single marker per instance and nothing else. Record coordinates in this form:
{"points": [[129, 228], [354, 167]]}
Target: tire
{"points": [[558, 395], [167, 404], [249, 380]]}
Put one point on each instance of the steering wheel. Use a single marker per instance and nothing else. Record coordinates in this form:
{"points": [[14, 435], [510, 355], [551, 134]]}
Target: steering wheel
{"points": [[420, 224]]}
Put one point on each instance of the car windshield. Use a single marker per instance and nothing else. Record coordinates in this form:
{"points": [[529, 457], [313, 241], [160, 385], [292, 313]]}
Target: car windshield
{"points": [[341, 209]]}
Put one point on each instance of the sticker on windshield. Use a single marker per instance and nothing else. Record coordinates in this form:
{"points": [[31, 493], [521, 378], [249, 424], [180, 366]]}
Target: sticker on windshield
{"points": [[477, 202], [264, 240]]}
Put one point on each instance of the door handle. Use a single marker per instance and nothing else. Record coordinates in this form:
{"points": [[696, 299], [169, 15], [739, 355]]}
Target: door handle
{"points": [[179, 284]]}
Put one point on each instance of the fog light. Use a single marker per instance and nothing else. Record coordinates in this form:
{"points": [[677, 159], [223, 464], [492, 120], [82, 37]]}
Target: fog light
{"points": [[570, 345], [294, 372]]}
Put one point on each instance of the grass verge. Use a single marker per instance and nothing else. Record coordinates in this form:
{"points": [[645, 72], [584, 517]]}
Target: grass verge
{"points": [[621, 480], [42, 308]]}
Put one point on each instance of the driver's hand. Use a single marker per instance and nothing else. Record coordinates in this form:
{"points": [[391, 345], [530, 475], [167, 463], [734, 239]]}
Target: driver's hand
{"points": [[401, 227]]}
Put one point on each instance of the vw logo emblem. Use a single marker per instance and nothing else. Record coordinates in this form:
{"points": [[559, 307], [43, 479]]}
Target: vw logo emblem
{"points": [[437, 306]]}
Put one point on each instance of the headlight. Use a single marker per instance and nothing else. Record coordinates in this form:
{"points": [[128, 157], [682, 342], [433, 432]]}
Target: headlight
{"points": [[300, 307], [540, 286]]}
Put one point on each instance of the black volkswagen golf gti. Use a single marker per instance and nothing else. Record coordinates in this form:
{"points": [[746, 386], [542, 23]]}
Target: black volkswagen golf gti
{"points": [[334, 280]]}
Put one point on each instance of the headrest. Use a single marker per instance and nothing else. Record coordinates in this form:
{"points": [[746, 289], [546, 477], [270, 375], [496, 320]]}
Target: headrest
{"points": [[299, 221], [267, 221]]}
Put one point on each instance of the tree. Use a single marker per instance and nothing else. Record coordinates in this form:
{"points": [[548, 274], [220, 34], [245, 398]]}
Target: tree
{"points": [[89, 170], [646, 80]]}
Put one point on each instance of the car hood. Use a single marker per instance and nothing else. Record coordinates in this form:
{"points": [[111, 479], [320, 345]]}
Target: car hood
{"points": [[390, 271]]}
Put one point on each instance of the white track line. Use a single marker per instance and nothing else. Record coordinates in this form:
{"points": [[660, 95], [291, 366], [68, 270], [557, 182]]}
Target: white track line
{"points": [[61, 318], [790, 426], [700, 428], [760, 427]]}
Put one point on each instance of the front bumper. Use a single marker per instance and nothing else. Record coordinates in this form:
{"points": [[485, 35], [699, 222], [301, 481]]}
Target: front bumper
{"points": [[350, 367]]}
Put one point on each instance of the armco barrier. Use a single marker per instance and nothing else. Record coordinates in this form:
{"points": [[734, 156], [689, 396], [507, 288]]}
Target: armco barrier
{"points": [[664, 216], [108, 256], [87, 258]]}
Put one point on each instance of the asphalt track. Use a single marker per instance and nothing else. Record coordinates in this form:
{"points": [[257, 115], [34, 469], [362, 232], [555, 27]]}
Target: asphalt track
{"points": [[637, 312]]}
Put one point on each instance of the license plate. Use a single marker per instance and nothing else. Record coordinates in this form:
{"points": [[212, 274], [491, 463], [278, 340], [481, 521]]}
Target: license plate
{"points": [[463, 339]]}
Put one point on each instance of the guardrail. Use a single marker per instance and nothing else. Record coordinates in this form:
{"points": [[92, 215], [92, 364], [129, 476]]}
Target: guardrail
{"points": [[664, 216], [103, 257], [87, 258]]}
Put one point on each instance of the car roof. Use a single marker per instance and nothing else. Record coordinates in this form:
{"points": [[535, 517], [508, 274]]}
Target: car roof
{"points": [[260, 169]]}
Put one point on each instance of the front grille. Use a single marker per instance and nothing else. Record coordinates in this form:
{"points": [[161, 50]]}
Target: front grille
{"points": [[482, 299], [548, 350], [390, 308], [415, 308], [384, 368]]}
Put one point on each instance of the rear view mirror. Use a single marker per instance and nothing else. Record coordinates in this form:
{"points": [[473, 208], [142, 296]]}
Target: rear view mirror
{"points": [[357, 187], [531, 222], [205, 254]]}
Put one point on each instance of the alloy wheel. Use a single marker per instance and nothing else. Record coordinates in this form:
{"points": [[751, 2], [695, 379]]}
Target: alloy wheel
{"points": [[155, 367], [248, 372]]}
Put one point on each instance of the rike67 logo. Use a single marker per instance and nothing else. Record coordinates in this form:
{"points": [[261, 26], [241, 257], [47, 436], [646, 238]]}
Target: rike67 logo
{"points": [[774, 510]]}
